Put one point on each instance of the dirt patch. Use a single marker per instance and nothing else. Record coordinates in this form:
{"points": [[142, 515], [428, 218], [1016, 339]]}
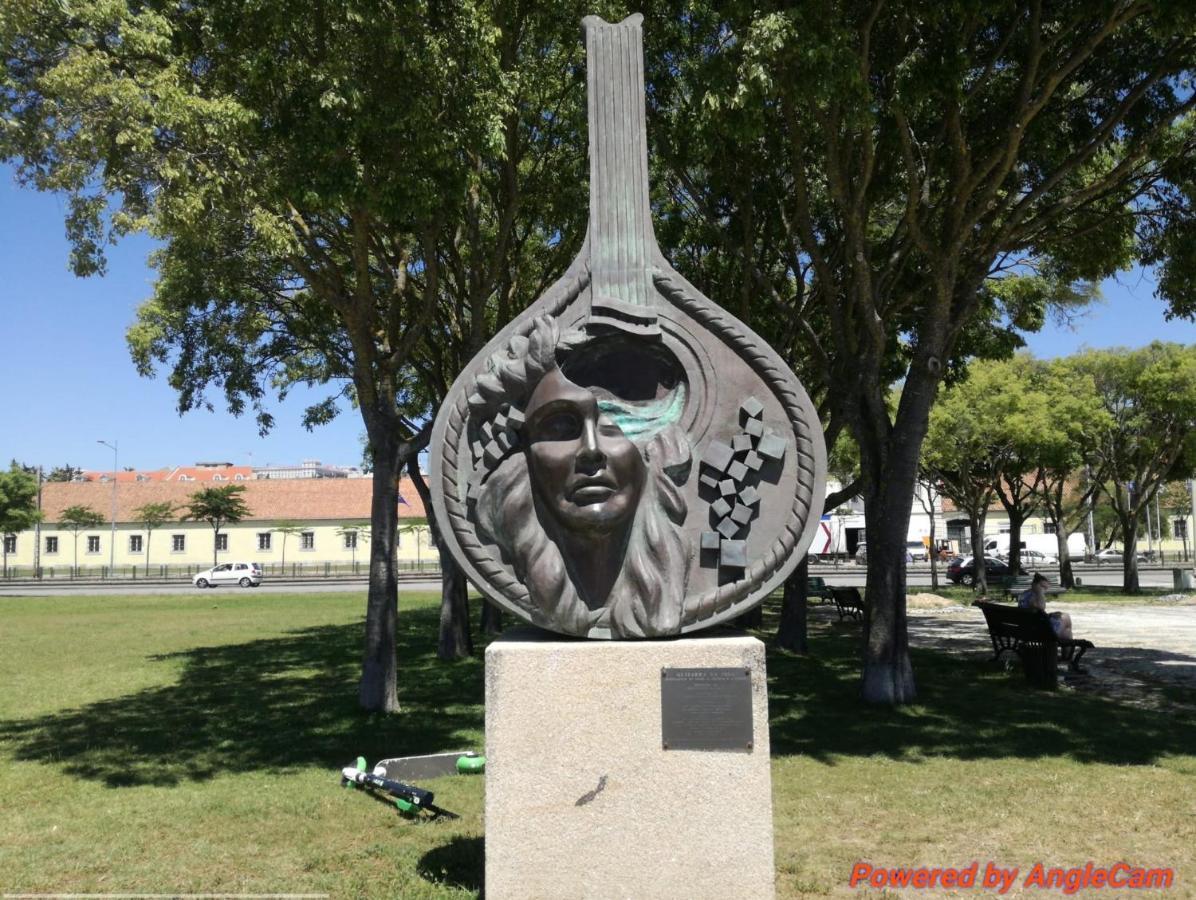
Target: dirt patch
{"points": [[929, 601]]}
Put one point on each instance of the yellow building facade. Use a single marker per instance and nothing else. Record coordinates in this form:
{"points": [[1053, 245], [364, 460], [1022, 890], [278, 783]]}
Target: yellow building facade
{"points": [[295, 527]]}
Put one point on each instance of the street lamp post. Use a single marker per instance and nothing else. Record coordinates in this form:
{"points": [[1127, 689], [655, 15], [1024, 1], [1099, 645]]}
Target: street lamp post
{"points": [[112, 542]]}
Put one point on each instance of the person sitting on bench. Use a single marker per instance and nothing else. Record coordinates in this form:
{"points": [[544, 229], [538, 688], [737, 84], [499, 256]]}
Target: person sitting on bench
{"points": [[1035, 598]]}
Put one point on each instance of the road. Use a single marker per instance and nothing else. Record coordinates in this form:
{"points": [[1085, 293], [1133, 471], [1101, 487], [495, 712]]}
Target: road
{"points": [[332, 585], [847, 574]]}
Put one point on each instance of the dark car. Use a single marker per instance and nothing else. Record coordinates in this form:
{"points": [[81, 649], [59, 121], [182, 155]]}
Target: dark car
{"points": [[961, 571]]}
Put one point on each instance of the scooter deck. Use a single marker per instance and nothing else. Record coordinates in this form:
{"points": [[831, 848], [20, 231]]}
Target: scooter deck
{"points": [[421, 768]]}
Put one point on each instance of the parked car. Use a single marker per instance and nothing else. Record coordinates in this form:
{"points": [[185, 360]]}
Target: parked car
{"points": [[246, 574], [916, 551], [1032, 559], [1109, 555], [961, 571]]}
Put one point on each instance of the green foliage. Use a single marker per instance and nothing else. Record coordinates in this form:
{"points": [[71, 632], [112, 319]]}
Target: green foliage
{"points": [[64, 473], [154, 515], [78, 517], [18, 500], [1148, 433], [217, 505]]}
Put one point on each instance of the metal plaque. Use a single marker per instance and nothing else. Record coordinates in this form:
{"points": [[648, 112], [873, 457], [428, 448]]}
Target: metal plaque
{"points": [[706, 709]]}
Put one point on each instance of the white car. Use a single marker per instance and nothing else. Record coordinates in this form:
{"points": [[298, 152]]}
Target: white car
{"points": [[1031, 559], [246, 574], [1109, 555]]}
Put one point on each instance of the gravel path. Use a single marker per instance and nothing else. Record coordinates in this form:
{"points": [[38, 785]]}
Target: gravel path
{"points": [[1139, 647]]}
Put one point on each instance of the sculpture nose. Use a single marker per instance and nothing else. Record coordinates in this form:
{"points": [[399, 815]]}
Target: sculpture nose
{"points": [[590, 454]]}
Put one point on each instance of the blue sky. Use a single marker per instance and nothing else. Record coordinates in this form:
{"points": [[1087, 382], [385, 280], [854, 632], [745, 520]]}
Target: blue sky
{"points": [[69, 382]]}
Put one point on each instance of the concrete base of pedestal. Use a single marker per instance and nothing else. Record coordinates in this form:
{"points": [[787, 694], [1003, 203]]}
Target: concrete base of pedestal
{"points": [[582, 800]]}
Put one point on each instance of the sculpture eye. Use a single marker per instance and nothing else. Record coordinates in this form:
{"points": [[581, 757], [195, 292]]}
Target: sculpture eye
{"points": [[561, 426]]}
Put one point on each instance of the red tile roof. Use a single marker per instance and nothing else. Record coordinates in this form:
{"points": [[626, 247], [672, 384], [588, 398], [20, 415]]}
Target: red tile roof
{"points": [[299, 499]]}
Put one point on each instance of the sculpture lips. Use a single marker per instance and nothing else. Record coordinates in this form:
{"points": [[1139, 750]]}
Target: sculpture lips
{"points": [[592, 490]]}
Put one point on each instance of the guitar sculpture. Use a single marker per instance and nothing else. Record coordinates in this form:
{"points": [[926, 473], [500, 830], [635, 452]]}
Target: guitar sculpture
{"points": [[625, 459]]}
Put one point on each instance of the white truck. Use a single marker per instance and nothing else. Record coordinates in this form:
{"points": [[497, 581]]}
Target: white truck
{"points": [[1046, 544]]}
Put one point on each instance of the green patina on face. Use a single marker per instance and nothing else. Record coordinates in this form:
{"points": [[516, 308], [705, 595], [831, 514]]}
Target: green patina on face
{"points": [[641, 422]]}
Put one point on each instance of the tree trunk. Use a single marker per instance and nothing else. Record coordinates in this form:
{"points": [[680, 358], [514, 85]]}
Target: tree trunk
{"points": [[979, 570], [215, 543], [934, 550], [1015, 542], [888, 676], [792, 632], [378, 690], [148, 534], [1067, 578], [455, 641], [1129, 558], [491, 619]]}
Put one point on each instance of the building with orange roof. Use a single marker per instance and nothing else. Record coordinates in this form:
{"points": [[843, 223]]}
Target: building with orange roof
{"points": [[310, 525]]}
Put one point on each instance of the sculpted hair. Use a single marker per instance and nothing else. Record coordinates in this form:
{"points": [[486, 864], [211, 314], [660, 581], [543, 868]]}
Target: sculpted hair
{"points": [[648, 597]]}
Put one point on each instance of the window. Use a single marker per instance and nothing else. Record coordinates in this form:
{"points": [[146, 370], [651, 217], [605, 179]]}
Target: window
{"points": [[1003, 529], [350, 540], [1050, 528], [239, 477], [134, 543], [52, 544], [178, 543], [10, 543], [221, 542], [307, 540], [218, 478], [1181, 529], [93, 543], [263, 540]]}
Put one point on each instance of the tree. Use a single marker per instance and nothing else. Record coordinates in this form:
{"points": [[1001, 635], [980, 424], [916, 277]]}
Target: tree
{"points": [[354, 534], [76, 518], [877, 170], [929, 494], [312, 205], [287, 527], [18, 504], [984, 443], [64, 473], [218, 506], [152, 516], [1065, 488], [1149, 434]]}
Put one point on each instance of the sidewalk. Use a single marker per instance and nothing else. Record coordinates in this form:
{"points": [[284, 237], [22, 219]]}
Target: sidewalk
{"points": [[1141, 649]]}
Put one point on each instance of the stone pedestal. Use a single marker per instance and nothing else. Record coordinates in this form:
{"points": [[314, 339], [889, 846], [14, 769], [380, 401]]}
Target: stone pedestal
{"points": [[582, 799]]}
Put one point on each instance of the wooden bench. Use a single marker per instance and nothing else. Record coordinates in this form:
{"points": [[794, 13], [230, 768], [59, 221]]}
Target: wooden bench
{"points": [[1028, 633], [848, 602], [1016, 585], [816, 586]]}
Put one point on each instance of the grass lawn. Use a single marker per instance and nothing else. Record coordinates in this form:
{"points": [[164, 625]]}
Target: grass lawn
{"points": [[192, 744]]}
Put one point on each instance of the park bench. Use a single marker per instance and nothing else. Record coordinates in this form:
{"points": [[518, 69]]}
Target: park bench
{"points": [[1016, 585], [1028, 633], [816, 586], [848, 602]]}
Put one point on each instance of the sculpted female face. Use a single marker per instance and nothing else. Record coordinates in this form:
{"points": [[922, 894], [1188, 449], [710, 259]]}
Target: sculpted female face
{"points": [[583, 468]]}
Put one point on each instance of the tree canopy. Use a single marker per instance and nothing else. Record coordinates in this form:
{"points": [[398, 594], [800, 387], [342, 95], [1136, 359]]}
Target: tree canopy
{"points": [[1147, 435], [218, 506], [875, 173]]}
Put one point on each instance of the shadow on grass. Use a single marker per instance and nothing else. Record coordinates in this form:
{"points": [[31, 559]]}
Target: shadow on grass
{"points": [[460, 863], [264, 705], [276, 704], [968, 708]]}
